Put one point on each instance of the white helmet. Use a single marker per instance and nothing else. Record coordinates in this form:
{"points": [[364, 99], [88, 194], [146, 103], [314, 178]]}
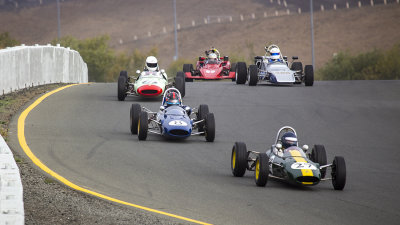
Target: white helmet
{"points": [[151, 63], [212, 56], [275, 53]]}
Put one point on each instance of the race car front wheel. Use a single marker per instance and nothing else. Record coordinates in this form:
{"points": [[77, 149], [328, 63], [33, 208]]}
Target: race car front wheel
{"points": [[143, 126], [239, 159], [318, 155], [338, 173], [308, 75], [134, 117], [253, 75], [241, 73], [122, 88], [210, 127], [201, 115], [261, 170]]}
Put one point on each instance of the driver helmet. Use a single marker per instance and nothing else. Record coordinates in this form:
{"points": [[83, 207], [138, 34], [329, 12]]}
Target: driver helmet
{"points": [[275, 53], [151, 63], [288, 139], [172, 98], [212, 56]]}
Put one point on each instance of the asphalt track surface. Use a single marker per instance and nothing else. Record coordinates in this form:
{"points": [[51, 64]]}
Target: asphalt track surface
{"points": [[82, 133]]}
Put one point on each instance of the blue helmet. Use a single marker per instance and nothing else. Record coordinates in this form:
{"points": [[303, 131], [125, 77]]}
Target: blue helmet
{"points": [[288, 139], [172, 98]]}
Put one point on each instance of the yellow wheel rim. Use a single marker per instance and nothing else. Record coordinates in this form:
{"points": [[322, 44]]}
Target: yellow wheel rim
{"points": [[257, 169], [234, 159], [138, 127]]}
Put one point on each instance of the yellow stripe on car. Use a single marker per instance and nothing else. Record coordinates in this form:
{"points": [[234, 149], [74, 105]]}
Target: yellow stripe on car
{"points": [[305, 172], [29, 153]]}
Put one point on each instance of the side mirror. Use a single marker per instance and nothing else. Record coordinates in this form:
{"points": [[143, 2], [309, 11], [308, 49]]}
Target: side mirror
{"points": [[279, 146], [285, 58], [305, 148], [226, 58], [162, 71], [188, 110], [138, 71], [162, 108], [295, 57]]}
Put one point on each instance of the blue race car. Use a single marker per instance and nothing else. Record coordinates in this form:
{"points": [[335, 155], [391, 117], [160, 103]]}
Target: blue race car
{"points": [[173, 120]]}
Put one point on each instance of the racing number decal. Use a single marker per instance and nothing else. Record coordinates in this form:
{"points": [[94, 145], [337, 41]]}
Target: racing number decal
{"points": [[303, 165], [177, 123]]}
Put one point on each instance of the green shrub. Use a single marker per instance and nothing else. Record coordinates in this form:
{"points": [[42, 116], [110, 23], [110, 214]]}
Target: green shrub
{"points": [[373, 65], [7, 41], [177, 65]]}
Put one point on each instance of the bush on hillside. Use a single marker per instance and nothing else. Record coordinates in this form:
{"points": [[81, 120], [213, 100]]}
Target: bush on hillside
{"points": [[373, 65], [7, 41], [103, 63]]}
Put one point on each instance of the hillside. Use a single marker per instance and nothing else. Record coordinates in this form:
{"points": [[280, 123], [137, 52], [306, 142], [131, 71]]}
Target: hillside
{"points": [[351, 29]]}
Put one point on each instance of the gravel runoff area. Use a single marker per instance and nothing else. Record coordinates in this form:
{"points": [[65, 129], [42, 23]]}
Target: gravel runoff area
{"points": [[46, 201]]}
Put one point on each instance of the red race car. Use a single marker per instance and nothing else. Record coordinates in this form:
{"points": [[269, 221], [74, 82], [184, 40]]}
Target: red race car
{"points": [[212, 67]]}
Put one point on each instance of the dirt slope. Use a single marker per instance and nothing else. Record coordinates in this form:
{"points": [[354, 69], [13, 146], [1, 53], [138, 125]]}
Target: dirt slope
{"points": [[353, 29]]}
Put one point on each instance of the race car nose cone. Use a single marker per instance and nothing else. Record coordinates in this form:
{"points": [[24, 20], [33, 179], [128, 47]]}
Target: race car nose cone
{"points": [[149, 90]]}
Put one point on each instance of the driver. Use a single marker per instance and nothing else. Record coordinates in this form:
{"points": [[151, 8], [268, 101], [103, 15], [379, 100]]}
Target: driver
{"points": [[152, 66], [288, 139], [275, 55], [173, 98]]}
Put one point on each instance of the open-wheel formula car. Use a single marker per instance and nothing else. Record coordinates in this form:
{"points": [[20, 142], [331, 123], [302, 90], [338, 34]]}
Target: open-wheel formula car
{"points": [[273, 68], [173, 120], [151, 82], [285, 160], [211, 67]]}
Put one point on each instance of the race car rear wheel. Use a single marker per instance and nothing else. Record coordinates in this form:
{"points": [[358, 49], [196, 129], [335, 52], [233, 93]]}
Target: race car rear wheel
{"points": [[210, 127], [188, 68], [143, 126], [241, 73], [338, 173], [124, 73], [298, 66], [180, 83], [201, 114], [253, 75], [122, 88], [134, 117], [318, 155], [233, 69], [261, 170], [309, 75], [239, 159]]}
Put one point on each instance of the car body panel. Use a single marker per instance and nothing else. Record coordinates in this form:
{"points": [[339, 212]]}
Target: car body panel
{"points": [[175, 123], [212, 71], [150, 84]]}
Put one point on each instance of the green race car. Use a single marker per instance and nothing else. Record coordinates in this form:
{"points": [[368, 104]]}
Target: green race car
{"points": [[286, 161]]}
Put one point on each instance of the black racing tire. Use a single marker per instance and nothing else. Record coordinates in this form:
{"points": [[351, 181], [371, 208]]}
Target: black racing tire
{"points": [[318, 155], [134, 117], [298, 66], [308, 75], [180, 83], [239, 159], [233, 69], [210, 127], [261, 170], [338, 173], [122, 88], [143, 126], [124, 73], [201, 114], [241, 73], [253, 75], [187, 68]]}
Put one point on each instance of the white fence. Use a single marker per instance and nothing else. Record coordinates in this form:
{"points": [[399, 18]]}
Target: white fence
{"points": [[27, 66]]}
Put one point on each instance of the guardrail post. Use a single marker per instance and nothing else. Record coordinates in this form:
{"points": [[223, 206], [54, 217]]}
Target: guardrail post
{"points": [[265, 14], [279, 2], [164, 30], [193, 23], [322, 8], [272, 1], [219, 20], [372, 2], [288, 11], [334, 6], [149, 33], [230, 19], [178, 26], [276, 13], [347, 5], [253, 16], [359, 4], [135, 37], [241, 17], [299, 10], [205, 21], [385, 2], [285, 3], [121, 41]]}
